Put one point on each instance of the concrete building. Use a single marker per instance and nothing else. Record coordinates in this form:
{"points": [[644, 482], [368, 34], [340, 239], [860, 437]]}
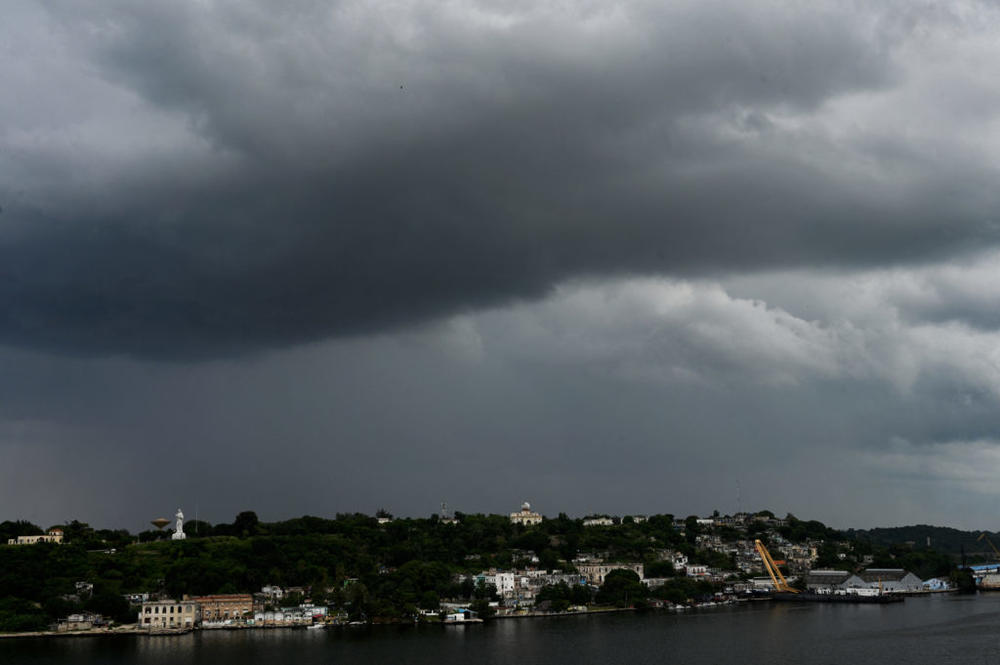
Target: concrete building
{"points": [[53, 536], [526, 516], [824, 580], [169, 614], [225, 607], [892, 580]]}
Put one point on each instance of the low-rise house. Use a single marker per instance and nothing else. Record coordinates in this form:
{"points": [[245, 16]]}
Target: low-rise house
{"points": [[291, 616], [314, 611], [272, 593], [709, 541], [136, 598], [303, 614], [461, 616], [656, 582], [169, 614], [80, 621], [936, 584]]}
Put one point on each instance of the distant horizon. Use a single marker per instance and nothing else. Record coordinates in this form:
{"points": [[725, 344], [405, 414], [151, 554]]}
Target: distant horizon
{"points": [[189, 517]]}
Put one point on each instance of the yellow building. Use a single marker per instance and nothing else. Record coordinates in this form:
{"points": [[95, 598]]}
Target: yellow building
{"points": [[53, 536], [169, 614]]}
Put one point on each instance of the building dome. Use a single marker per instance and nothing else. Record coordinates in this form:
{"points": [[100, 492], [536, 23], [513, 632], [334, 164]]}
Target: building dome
{"points": [[525, 506]]}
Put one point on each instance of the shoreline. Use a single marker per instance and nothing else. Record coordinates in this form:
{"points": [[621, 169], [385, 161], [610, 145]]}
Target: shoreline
{"points": [[141, 632]]}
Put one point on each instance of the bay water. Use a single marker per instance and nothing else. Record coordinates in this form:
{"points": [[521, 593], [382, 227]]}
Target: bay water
{"points": [[940, 629]]}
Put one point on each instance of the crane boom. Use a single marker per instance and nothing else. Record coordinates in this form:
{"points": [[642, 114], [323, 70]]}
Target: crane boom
{"points": [[780, 583], [982, 536]]}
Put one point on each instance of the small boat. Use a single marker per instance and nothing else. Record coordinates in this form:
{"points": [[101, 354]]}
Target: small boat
{"points": [[315, 626]]}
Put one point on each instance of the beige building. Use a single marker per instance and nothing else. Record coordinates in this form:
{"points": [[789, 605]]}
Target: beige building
{"points": [[169, 614], [526, 516], [53, 536], [596, 572], [225, 607]]}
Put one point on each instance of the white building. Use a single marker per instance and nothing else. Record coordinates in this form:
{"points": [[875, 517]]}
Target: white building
{"points": [[272, 593], [505, 583], [892, 580], [525, 516], [598, 521]]}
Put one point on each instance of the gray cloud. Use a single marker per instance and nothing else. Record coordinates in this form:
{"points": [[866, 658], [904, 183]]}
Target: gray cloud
{"points": [[633, 395], [241, 178], [606, 258]]}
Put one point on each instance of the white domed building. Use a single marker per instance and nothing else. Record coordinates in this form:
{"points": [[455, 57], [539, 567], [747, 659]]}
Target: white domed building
{"points": [[526, 516]]}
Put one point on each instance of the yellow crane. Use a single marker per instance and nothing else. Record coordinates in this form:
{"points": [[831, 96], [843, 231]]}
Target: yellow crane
{"points": [[780, 583], [982, 536]]}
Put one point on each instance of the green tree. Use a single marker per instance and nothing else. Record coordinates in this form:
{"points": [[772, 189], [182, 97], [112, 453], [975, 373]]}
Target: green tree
{"points": [[481, 606], [245, 524], [621, 588], [197, 528]]}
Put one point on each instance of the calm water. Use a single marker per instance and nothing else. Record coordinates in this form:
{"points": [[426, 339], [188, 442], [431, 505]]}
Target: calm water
{"points": [[943, 629]]}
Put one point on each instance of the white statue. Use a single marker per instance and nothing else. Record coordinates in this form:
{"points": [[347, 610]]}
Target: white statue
{"points": [[179, 531]]}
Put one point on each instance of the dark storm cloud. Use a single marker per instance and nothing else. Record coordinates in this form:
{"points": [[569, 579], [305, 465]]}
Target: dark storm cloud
{"points": [[242, 176]]}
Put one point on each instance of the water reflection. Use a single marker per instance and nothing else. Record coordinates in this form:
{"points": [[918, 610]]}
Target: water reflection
{"points": [[938, 630]]}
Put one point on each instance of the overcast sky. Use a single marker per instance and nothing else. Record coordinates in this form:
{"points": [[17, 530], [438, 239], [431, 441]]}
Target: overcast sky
{"points": [[639, 257]]}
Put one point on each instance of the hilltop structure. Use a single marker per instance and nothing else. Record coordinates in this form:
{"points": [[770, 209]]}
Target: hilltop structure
{"points": [[525, 516], [179, 531], [54, 535]]}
